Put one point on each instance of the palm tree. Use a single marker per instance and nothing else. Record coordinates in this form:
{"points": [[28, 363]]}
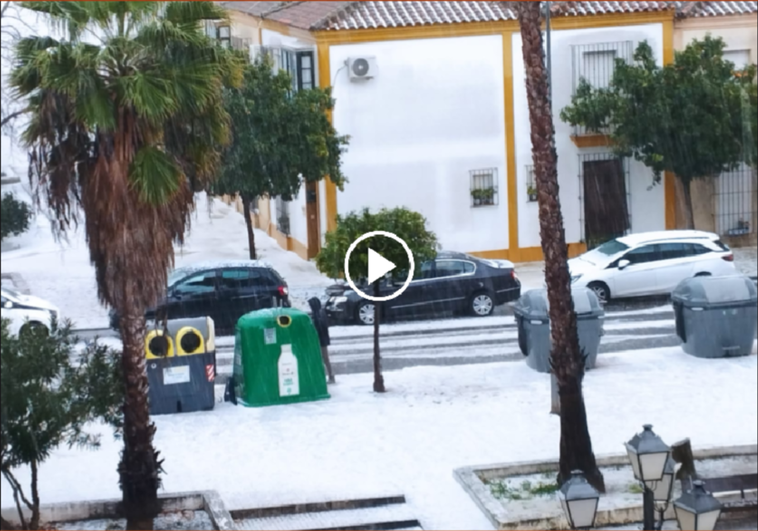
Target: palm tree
{"points": [[566, 358], [126, 120]]}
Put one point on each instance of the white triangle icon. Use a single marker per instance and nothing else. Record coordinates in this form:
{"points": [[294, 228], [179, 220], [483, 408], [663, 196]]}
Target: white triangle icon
{"points": [[378, 266]]}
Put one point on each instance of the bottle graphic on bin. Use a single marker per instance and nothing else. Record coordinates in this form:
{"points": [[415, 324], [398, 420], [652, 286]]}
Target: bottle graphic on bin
{"points": [[289, 383]]}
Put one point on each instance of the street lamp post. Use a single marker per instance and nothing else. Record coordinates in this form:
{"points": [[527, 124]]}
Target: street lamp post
{"points": [[648, 455], [579, 501], [697, 509], [663, 489]]}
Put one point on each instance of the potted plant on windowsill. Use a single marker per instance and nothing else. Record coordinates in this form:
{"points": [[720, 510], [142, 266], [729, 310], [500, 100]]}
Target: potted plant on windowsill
{"points": [[483, 196], [531, 191]]}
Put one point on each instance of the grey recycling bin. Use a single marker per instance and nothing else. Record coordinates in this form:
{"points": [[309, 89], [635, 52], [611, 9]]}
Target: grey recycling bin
{"points": [[716, 316], [533, 324], [181, 366]]}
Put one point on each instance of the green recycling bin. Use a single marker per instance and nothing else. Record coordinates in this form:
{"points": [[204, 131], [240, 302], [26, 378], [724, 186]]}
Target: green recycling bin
{"points": [[277, 359]]}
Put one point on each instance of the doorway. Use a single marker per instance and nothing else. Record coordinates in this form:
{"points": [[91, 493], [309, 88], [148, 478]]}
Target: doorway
{"points": [[605, 198]]}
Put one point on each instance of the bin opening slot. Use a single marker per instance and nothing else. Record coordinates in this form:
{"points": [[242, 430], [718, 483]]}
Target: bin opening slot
{"points": [[535, 322], [159, 346], [284, 321]]}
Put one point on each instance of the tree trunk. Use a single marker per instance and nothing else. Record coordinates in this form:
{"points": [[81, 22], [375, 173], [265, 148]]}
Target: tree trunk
{"points": [[378, 378], [247, 210], [139, 467], [566, 358], [689, 216], [34, 521]]}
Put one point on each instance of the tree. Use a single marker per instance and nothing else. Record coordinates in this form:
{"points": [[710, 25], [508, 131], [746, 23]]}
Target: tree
{"points": [[12, 28], [566, 358], [15, 216], [126, 121], [279, 140], [407, 225], [695, 117], [47, 400]]}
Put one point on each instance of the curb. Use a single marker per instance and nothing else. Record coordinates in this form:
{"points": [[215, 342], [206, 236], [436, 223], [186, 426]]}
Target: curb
{"points": [[472, 478], [208, 500]]}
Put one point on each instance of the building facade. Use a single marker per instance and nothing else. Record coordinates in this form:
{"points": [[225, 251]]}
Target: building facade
{"points": [[432, 95]]}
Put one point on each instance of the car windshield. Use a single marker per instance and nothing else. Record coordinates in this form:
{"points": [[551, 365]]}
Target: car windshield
{"points": [[11, 293], [604, 252]]}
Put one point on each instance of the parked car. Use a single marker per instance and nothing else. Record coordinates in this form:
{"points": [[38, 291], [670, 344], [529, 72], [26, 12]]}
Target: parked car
{"points": [[650, 263], [224, 291], [26, 312], [453, 282]]}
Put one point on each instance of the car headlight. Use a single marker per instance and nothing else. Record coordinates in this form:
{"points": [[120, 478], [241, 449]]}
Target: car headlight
{"points": [[338, 300], [574, 278]]}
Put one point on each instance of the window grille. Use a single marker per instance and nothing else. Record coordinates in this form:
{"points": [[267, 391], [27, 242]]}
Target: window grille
{"points": [[595, 63], [531, 185], [735, 203], [483, 187]]}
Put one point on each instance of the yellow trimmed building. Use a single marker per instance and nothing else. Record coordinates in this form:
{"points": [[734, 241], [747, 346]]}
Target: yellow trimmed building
{"points": [[432, 95]]}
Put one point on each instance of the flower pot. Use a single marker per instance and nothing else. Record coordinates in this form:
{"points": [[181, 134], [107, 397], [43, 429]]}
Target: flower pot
{"points": [[533, 197]]}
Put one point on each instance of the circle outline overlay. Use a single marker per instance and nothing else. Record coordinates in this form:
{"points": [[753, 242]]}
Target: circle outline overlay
{"points": [[386, 235]]}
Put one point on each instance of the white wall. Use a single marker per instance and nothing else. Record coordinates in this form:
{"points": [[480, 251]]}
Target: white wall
{"points": [[434, 112], [647, 206], [299, 217]]}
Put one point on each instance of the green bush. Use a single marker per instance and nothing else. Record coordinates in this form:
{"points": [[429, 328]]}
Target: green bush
{"points": [[51, 392], [15, 216]]}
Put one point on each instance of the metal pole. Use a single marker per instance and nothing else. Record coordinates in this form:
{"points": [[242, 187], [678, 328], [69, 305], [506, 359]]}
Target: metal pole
{"points": [[648, 509], [549, 63]]}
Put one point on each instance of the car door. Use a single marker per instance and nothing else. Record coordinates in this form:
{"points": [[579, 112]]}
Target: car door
{"points": [[639, 277], [414, 301], [448, 291], [676, 264], [195, 296], [242, 290]]}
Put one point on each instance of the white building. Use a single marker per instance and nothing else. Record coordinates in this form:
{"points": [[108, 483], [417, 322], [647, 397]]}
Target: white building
{"points": [[432, 95]]}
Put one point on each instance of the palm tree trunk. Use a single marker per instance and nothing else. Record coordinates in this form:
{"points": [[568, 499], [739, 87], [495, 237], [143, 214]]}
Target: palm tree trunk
{"points": [[566, 358], [378, 378], [139, 467], [247, 202]]}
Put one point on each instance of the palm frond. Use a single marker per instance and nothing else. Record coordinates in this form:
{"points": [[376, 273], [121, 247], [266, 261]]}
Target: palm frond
{"points": [[154, 175]]}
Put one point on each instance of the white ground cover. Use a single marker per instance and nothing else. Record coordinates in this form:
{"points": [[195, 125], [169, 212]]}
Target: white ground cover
{"points": [[409, 440]]}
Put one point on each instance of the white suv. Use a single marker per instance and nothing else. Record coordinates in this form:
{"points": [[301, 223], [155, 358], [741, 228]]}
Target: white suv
{"points": [[26, 311], [650, 263]]}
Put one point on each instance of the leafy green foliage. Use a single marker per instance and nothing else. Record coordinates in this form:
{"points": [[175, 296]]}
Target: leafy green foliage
{"points": [[407, 225], [15, 216], [695, 117], [48, 399], [526, 490], [280, 139]]}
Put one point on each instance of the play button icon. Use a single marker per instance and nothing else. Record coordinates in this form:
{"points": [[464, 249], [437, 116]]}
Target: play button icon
{"points": [[378, 266]]}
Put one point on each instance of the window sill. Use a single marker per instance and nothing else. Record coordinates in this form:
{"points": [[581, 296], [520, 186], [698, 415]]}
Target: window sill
{"points": [[590, 141]]}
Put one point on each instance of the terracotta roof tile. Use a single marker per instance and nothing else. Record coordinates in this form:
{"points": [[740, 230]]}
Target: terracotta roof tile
{"points": [[335, 16], [715, 9]]}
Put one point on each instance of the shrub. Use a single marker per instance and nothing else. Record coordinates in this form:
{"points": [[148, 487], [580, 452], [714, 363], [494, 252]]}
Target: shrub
{"points": [[15, 216]]}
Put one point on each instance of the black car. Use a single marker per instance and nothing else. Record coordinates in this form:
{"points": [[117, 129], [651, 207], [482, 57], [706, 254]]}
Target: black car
{"points": [[224, 291], [452, 283]]}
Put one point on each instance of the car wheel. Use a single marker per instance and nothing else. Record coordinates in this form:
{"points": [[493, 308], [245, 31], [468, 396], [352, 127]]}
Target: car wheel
{"points": [[481, 304], [365, 313], [30, 328], [601, 290]]}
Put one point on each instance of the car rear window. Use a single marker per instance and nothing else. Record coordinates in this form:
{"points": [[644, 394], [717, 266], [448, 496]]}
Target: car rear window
{"points": [[721, 245]]}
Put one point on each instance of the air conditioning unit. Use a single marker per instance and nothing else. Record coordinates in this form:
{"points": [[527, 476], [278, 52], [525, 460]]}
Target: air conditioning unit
{"points": [[360, 68]]}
